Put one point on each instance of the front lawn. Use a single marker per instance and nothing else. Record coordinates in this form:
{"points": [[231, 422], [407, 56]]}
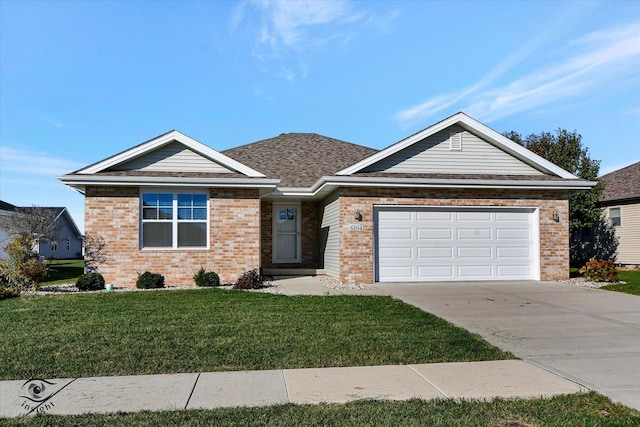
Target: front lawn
{"points": [[570, 410], [155, 332], [632, 277]]}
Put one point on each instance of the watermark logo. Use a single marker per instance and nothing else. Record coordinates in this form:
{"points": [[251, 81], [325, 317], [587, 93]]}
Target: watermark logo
{"points": [[37, 394]]}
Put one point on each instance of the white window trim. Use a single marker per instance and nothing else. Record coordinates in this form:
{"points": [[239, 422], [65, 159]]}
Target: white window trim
{"points": [[174, 222]]}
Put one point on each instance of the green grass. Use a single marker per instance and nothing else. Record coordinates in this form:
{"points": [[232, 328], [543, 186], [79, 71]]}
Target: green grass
{"points": [[632, 277], [218, 330], [570, 410], [62, 271]]}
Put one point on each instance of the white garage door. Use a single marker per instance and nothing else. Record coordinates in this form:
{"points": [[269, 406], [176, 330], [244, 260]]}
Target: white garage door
{"points": [[433, 244]]}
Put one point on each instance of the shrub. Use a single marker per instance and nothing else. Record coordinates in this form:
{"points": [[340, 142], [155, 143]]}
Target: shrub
{"points": [[599, 270], [204, 278], [90, 282], [250, 279], [22, 266], [148, 280], [7, 287]]}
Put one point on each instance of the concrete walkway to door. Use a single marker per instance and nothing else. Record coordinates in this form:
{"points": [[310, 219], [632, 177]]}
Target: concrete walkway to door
{"points": [[590, 336]]}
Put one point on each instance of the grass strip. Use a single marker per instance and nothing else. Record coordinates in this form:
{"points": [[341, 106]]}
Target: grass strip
{"points": [[589, 409]]}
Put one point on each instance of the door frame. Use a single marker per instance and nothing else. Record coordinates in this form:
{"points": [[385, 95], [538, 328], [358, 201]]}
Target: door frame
{"points": [[274, 233]]}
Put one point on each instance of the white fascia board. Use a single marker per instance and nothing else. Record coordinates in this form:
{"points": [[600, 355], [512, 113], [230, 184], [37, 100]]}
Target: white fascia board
{"points": [[469, 123], [158, 142], [167, 181], [433, 183]]}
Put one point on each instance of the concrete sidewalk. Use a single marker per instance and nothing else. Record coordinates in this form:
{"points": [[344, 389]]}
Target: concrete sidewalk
{"points": [[473, 380]]}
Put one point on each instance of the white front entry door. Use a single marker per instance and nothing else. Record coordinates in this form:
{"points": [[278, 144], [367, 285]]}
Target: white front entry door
{"points": [[286, 234]]}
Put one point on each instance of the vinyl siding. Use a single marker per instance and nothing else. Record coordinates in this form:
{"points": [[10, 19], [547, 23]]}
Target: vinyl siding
{"points": [[432, 155], [629, 234], [330, 236], [173, 157]]}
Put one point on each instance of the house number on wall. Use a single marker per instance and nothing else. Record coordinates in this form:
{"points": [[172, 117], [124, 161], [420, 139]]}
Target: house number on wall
{"points": [[356, 227]]}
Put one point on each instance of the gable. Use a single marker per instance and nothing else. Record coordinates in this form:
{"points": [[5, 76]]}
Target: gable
{"points": [[469, 154], [172, 157], [473, 127]]}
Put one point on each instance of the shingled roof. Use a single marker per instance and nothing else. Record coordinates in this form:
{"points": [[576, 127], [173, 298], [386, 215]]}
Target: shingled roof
{"points": [[299, 159], [622, 184]]}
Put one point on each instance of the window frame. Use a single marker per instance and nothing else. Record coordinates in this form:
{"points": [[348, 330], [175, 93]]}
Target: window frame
{"points": [[618, 217], [175, 221]]}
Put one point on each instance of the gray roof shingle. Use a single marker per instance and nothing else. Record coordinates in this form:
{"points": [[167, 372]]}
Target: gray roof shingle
{"points": [[622, 184], [299, 159]]}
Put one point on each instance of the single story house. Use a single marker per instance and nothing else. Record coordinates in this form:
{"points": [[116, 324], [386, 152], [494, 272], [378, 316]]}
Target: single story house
{"points": [[68, 243], [455, 201], [621, 200]]}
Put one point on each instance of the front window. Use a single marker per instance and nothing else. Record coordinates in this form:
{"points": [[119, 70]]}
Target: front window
{"points": [[174, 220]]}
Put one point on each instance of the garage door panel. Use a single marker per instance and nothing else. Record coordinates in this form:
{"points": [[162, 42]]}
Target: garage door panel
{"points": [[397, 273], [396, 253], [473, 216], [513, 252], [474, 252], [434, 233], [513, 233], [522, 271], [440, 272], [475, 272], [396, 233], [422, 244], [398, 215], [434, 216], [442, 252], [474, 233]]}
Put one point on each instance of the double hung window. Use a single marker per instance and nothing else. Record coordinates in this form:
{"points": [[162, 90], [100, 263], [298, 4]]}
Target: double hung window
{"points": [[174, 220]]}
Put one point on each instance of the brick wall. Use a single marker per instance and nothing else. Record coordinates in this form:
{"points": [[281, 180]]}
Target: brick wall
{"points": [[113, 213], [310, 229], [356, 248]]}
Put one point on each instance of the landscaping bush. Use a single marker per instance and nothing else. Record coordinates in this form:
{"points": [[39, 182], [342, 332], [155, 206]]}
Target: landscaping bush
{"points": [[7, 288], [149, 280], [599, 270], [90, 282], [204, 278], [250, 279]]}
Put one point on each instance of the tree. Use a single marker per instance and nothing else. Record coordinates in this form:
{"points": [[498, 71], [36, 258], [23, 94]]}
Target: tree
{"points": [[565, 149], [36, 221]]}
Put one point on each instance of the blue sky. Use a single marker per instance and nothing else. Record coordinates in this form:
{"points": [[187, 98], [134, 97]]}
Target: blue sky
{"points": [[82, 80]]}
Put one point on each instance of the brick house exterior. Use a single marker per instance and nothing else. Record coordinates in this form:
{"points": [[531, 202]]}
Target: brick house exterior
{"points": [[457, 201]]}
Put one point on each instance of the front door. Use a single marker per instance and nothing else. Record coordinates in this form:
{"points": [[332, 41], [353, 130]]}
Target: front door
{"points": [[286, 234]]}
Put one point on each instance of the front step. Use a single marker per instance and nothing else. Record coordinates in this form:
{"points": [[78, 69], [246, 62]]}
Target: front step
{"points": [[292, 271]]}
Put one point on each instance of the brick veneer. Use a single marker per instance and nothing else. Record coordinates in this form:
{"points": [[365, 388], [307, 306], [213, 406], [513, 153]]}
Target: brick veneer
{"points": [[113, 213], [357, 248], [310, 231]]}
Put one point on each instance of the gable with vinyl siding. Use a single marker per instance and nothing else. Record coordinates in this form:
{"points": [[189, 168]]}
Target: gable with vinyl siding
{"points": [[468, 155], [173, 157]]}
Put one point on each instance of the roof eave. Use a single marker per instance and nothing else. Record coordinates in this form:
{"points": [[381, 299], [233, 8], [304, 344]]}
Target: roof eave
{"points": [[82, 181], [350, 181]]}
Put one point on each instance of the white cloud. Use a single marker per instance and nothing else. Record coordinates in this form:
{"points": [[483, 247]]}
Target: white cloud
{"points": [[34, 162], [284, 31], [602, 59]]}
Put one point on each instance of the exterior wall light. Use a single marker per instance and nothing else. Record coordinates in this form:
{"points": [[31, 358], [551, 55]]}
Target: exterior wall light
{"points": [[357, 215], [556, 217]]}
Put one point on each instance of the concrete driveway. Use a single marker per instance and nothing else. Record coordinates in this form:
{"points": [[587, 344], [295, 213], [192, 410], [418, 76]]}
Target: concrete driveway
{"points": [[587, 335]]}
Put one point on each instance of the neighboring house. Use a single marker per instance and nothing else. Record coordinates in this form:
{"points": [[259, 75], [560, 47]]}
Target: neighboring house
{"points": [[621, 200], [6, 210], [69, 240], [456, 201]]}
